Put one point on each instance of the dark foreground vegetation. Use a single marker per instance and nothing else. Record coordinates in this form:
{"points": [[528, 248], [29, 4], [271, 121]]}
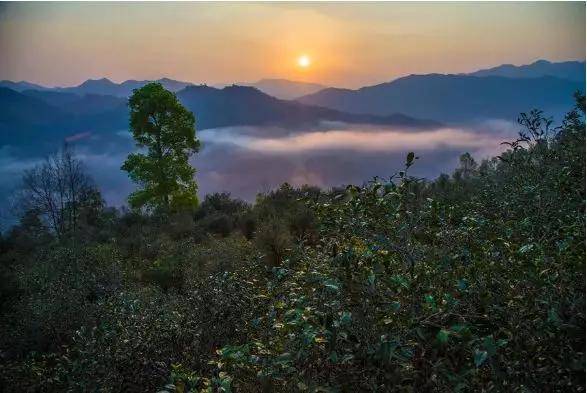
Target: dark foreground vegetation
{"points": [[472, 282]]}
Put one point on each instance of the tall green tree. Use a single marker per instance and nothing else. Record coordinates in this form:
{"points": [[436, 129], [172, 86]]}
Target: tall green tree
{"points": [[166, 129]]}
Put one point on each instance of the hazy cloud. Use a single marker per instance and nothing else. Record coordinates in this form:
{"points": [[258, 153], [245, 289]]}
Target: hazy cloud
{"points": [[248, 160], [363, 139]]}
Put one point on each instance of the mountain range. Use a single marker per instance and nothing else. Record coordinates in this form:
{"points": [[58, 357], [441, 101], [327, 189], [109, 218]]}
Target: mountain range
{"points": [[496, 93], [285, 89], [43, 115], [279, 88], [571, 70], [453, 98], [32, 113]]}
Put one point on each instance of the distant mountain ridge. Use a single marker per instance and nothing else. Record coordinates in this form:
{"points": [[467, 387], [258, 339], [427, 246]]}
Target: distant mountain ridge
{"points": [[286, 89], [465, 97], [34, 116], [22, 85], [245, 105], [279, 88], [571, 70], [103, 86], [99, 105]]}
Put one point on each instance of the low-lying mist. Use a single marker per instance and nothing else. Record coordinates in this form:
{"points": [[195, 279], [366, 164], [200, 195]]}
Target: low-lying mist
{"points": [[248, 160]]}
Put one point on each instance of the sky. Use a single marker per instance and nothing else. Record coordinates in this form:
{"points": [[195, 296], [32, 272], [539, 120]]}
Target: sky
{"points": [[347, 44]]}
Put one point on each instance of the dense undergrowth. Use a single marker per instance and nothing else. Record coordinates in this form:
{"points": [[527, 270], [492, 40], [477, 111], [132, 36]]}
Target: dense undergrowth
{"points": [[472, 282]]}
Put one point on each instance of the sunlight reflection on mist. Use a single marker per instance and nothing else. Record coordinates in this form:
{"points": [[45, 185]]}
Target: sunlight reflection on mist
{"points": [[246, 160], [376, 141]]}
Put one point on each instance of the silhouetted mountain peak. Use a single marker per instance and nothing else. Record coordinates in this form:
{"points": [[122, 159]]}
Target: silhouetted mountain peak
{"points": [[285, 82], [336, 90], [198, 89], [21, 85], [97, 82], [541, 62], [571, 70], [284, 89], [244, 91]]}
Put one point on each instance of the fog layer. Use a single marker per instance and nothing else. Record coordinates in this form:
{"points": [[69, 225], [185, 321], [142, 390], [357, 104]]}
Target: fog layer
{"points": [[248, 160]]}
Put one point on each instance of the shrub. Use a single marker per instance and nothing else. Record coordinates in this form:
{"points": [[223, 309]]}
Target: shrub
{"points": [[219, 224], [59, 292], [166, 272], [274, 239], [247, 224]]}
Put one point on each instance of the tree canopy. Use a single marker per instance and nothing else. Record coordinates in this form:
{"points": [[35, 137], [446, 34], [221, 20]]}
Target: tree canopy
{"points": [[166, 129]]}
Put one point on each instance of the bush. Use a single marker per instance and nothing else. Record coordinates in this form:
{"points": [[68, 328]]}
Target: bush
{"points": [[58, 292], [166, 272], [181, 225], [247, 224], [219, 224], [274, 239]]}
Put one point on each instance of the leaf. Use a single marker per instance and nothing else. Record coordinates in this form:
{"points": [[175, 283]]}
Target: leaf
{"points": [[396, 306], [525, 248], [400, 281], [442, 336], [429, 299], [489, 345], [331, 284], [420, 333], [480, 357], [410, 158], [458, 328], [333, 357], [345, 318], [553, 316]]}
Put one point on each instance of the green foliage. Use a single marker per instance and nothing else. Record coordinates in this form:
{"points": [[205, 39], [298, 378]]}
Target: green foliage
{"points": [[455, 285], [220, 214], [273, 237], [165, 128], [472, 282], [167, 273], [57, 294]]}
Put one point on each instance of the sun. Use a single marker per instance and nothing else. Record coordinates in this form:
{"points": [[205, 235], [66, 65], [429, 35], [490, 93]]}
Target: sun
{"points": [[304, 61]]}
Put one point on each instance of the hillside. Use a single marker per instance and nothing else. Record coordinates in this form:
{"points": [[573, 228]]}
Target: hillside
{"points": [[34, 115], [570, 70], [453, 98], [285, 89], [17, 108], [32, 118], [21, 86], [79, 104], [241, 105]]}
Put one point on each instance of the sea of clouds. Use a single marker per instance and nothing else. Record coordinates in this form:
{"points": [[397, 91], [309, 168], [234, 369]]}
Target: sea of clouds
{"points": [[247, 160]]}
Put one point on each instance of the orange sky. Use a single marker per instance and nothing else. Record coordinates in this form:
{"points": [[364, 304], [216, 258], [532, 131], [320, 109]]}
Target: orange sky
{"points": [[350, 44]]}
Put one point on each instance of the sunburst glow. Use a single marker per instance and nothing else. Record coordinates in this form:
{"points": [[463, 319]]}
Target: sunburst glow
{"points": [[304, 61]]}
